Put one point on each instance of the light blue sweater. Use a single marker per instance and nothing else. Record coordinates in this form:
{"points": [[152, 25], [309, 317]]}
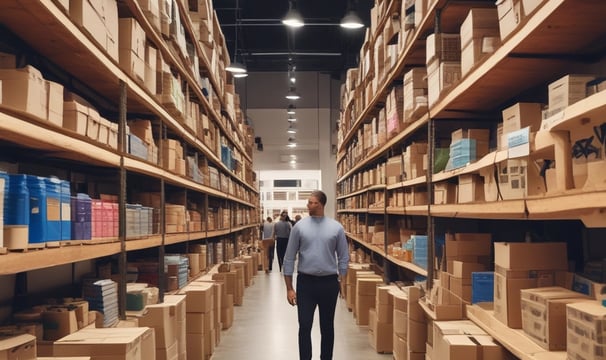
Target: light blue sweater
{"points": [[321, 245]]}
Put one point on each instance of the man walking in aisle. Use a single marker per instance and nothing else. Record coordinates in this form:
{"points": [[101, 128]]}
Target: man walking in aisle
{"points": [[267, 235], [281, 233], [323, 255]]}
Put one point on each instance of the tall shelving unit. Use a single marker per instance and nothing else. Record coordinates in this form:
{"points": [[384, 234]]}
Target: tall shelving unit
{"points": [[557, 38], [43, 33]]}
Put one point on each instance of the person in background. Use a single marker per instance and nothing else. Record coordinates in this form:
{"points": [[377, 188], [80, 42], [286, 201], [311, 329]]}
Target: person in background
{"points": [[281, 234], [267, 234], [323, 256], [297, 218]]}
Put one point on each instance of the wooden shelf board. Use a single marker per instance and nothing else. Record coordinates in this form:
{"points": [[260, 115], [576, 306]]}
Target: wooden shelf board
{"points": [[148, 242], [510, 209], [513, 339], [487, 160], [421, 180], [30, 133], [520, 63], [214, 233], [575, 115], [569, 205], [16, 262], [408, 265]]}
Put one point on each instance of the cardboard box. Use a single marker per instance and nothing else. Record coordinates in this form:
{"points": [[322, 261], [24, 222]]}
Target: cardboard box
{"points": [[507, 303], [585, 330], [479, 23], [567, 90], [445, 193], [531, 256], [544, 315], [464, 269], [25, 90], [198, 297], [108, 343], [59, 322], [132, 48], [470, 188], [476, 347], [510, 16], [18, 347], [521, 115]]}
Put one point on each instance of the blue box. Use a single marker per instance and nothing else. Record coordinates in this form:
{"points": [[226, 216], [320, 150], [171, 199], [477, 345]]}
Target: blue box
{"points": [[482, 287]]}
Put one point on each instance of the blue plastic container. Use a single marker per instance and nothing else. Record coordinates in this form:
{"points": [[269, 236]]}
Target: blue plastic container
{"points": [[482, 286], [16, 201], [37, 209], [81, 211], [53, 209], [66, 223]]}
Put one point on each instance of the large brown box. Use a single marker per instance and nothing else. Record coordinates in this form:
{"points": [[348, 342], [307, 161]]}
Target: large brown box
{"points": [[135, 343], [544, 315], [531, 256]]}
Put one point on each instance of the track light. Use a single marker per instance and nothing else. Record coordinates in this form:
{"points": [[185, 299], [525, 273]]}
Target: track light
{"points": [[293, 18], [240, 75], [291, 129], [292, 94], [290, 110], [351, 20], [291, 119], [235, 67], [292, 142]]}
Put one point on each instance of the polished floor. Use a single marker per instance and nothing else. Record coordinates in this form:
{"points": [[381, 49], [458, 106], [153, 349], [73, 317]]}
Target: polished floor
{"points": [[265, 327]]}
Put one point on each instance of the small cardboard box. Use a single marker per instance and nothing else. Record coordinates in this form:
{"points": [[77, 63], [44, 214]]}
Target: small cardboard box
{"points": [[521, 115], [567, 90], [470, 188], [531, 256], [544, 315], [18, 347]]}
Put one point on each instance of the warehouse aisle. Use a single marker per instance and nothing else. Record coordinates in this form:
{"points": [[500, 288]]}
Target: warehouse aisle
{"points": [[265, 327]]}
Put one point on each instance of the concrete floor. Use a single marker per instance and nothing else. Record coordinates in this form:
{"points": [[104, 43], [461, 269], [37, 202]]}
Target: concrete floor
{"points": [[265, 327]]}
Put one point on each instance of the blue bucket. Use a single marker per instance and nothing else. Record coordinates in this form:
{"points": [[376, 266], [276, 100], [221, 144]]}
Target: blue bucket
{"points": [[37, 209], [53, 209], [66, 218], [16, 200]]}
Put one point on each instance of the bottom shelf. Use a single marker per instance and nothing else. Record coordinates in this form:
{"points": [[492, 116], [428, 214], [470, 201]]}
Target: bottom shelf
{"points": [[513, 340]]}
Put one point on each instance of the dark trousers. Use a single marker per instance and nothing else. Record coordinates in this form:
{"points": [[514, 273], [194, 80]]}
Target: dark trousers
{"points": [[270, 256], [281, 244], [312, 292]]}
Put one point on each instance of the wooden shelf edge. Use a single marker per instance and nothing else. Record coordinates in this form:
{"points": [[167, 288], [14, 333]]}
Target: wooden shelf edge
{"points": [[513, 339]]}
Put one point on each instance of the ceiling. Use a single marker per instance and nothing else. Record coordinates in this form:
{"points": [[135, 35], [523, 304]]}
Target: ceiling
{"points": [[265, 44]]}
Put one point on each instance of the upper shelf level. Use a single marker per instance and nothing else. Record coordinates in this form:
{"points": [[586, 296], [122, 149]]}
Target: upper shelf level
{"points": [[41, 23], [541, 49]]}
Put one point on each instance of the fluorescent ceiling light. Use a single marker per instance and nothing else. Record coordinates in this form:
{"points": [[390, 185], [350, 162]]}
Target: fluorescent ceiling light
{"points": [[292, 119], [291, 129], [292, 94], [236, 68], [293, 18], [351, 20], [291, 109], [240, 75]]}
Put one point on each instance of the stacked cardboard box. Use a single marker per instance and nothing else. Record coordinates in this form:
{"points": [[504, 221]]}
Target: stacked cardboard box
{"points": [[365, 297], [115, 343], [415, 93], [585, 324], [200, 322], [168, 321], [380, 324], [479, 36], [524, 266], [544, 315]]}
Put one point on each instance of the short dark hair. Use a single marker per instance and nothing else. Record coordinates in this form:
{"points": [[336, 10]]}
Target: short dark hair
{"points": [[320, 196]]}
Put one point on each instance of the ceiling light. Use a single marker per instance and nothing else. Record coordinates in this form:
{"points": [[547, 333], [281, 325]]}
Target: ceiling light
{"points": [[291, 129], [235, 67], [293, 79], [293, 18], [240, 75], [290, 110], [292, 94], [292, 142], [351, 20], [291, 119]]}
